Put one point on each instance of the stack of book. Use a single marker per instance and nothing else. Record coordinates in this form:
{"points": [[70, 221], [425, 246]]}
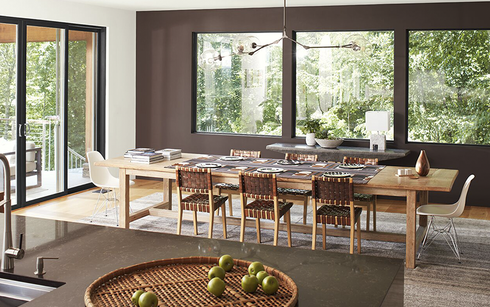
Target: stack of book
{"points": [[170, 153], [137, 151], [147, 157]]}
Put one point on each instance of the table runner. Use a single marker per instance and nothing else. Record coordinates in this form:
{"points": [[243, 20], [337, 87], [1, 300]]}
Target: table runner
{"points": [[359, 176]]}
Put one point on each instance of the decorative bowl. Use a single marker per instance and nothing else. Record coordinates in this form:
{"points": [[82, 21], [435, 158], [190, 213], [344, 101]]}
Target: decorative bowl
{"points": [[325, 143]]}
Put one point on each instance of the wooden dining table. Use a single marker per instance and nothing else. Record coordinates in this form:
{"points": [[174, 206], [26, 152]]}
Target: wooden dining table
{"points": [[385, 182]]}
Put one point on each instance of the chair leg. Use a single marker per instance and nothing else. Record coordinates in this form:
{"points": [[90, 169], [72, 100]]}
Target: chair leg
{"points": [[230, 204], [257, 226], [242, 228], [424, 240], [375, 199], [223, 219], [305, 209], [211, 222], [288, 224], [276, 229], [352, 229], [179, 220], [194, 219], [324, 236], [359, 235], [368, 215], [313, 232]]}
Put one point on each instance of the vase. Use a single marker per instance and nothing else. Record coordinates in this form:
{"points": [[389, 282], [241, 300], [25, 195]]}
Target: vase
{"points": [[422, 167], [310, 139]]}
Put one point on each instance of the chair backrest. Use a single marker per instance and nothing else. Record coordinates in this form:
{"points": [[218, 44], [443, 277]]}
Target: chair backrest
{"points": [[258, 186], [365, 161], [301, 157], [193, 180], [333, 191], [460, 204], [244, 153], [99, 175]]}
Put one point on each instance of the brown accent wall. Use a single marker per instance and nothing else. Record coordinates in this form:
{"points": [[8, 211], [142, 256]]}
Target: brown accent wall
{"points": [[164, 77]]}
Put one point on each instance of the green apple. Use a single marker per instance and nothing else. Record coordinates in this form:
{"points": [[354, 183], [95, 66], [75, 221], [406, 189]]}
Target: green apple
{"points": [[136, 297], [226, 262], [148, 299], [216, 286], [216, 271], [270, 285], [249, 283], [261, 275], [255, 267]]}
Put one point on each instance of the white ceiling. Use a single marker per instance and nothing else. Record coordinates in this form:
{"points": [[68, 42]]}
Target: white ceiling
{"points": [[153, 5]]}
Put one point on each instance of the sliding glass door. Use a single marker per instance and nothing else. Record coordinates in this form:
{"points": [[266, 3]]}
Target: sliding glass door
{"points": [[44, 111], [49, 106]]}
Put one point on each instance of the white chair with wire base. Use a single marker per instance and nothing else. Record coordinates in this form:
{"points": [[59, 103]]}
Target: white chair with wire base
{"points": [[102, 178], [449, 212]]}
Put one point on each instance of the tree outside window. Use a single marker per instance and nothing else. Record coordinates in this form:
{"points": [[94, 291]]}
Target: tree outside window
{"points": [[338, 86], [449, 87], [244, 95]]}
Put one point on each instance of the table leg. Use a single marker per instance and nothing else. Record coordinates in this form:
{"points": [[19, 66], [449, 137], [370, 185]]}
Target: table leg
{"points": [[424, 200], [411, 229], [167, 192], [124, 198]]}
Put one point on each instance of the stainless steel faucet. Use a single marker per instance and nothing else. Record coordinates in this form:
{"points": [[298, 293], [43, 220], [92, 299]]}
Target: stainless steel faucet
{"points": [[9, 252]]}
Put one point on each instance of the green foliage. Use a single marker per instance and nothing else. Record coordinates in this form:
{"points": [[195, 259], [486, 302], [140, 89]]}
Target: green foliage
{"points": [[338, 86], [240, 97], [449, 81]]}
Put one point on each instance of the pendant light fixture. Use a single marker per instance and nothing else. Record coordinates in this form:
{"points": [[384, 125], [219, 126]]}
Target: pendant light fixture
{"points": [[242, 45]]}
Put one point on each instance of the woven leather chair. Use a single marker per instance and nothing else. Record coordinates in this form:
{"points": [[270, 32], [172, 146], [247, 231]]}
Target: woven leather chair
{"points": [[367, 200], [262, 188], [198, 181], [298, 194], [230, 188], [338, 196]]}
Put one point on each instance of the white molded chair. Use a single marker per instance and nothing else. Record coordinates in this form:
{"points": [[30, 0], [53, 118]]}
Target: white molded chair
{"points": [[449, 212], [102, 178]]}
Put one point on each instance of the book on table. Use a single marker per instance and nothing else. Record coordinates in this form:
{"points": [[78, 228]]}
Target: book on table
{"points": [[147, 157], [137, 151], [170, 153]]}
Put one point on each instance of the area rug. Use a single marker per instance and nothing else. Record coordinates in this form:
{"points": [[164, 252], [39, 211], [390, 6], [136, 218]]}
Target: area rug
{"points": [[438, 280]]}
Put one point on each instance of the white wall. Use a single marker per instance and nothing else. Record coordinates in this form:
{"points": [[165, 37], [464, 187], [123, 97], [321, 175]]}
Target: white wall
{"points": [[121, 59]]}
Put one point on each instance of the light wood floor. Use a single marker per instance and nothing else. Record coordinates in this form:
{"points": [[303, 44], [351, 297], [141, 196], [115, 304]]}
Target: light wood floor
{"points": [[80, 205]]}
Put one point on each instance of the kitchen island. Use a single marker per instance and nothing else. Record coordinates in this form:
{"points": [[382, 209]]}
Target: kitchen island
{"points": [[87, 252]]}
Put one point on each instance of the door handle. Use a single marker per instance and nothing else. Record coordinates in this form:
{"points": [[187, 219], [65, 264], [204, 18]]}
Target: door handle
{"points": [[24, 130]]}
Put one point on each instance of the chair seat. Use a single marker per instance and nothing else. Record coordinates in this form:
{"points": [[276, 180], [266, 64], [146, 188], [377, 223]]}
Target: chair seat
{"points": [[363, 197], [336, 215], [200, 202], [301, 192], [439, 210], [264, 209], [227, 186]]}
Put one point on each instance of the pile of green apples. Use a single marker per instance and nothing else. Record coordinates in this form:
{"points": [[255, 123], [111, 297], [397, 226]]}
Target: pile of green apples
{"points": [[141, 298], [257, 276]]}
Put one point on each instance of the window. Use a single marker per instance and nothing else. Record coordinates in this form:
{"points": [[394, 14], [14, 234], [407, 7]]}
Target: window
{"points": [[243, 95], [338, 86], [449, 82]]}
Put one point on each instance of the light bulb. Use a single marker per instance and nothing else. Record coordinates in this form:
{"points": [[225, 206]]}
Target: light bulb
{"points": [[243, 44], [358, 43], [210, 60]]}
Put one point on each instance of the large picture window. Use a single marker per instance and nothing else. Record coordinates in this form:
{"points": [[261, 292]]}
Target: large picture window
{"points": [[243, 94], [338, 86], [449, 86]]}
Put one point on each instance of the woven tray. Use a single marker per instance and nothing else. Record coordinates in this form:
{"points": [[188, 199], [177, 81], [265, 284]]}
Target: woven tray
{"points": [[183, 282]]}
